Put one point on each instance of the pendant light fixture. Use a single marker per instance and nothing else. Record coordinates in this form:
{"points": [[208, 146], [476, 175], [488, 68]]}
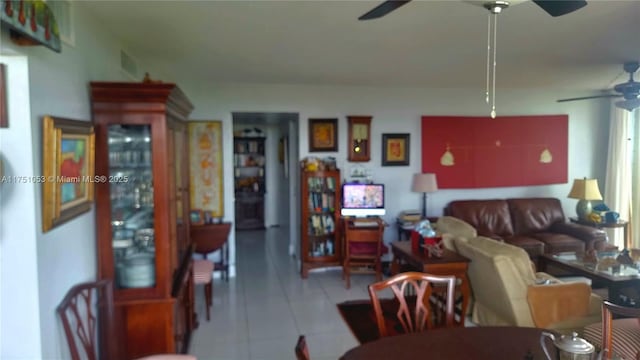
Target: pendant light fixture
{"points": [[495, 8]]}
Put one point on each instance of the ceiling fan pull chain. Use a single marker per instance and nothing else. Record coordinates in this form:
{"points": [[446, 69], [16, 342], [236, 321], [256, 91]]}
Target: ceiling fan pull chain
{"points": [[493, 86], [488, 56]]}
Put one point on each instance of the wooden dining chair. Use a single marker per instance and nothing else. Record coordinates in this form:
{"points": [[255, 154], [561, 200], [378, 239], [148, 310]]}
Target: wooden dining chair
{"points": [[620, 337], [210, 238], [363, 248], [301, 349], [413, 292], [203, 275], [87, 317]]}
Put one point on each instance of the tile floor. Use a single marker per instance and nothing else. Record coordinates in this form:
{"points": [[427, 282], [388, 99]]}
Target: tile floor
{"points": [[259, 314]]}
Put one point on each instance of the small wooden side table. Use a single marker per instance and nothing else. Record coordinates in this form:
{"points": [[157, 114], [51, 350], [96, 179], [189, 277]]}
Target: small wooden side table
{"points": [[405, 227], [607, 225], [213, 237], [451, 263]]}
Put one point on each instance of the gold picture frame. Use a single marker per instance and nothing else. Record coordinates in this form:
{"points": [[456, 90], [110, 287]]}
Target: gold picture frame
{"points": [[205, 166], [68, 166]]}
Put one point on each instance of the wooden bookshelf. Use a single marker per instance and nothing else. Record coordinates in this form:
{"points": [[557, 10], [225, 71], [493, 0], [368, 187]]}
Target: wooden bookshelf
{"points": [[320, 242]]}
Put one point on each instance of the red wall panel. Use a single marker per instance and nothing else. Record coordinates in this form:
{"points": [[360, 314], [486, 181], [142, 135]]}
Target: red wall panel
{"points": [[479, 152]]}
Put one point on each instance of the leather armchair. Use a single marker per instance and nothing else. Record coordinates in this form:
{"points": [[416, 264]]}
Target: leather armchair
{"points": [[507, 291]]}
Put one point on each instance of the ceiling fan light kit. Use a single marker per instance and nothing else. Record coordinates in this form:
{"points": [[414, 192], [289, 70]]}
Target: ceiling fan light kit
{"points": [[629, 105], [629, 90], [495, 7]]}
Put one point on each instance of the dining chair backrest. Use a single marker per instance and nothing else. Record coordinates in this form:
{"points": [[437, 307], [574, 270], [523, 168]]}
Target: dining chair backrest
{"points": [[87, 313], [421, 288], [301, 349], [87, 318], [610, 309]]}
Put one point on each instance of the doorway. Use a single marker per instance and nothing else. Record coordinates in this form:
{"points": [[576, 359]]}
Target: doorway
{"points": [[266, 195]]}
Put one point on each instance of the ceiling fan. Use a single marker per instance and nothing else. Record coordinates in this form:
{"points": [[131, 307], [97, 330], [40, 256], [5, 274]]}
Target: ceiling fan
{"points": [[552, 7], [495, 7], [629, 90]]}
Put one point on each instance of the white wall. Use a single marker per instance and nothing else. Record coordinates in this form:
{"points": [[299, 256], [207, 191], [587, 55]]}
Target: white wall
{"points": [[38, 268], [19, 290], [399, 110]]}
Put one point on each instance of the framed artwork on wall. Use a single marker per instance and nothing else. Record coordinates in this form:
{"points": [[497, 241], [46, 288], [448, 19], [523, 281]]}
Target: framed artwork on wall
{"points": [[472, 151], [4, 119], [31, 22], [67, 170], [395, 149], [205, 167], [323, 135]]}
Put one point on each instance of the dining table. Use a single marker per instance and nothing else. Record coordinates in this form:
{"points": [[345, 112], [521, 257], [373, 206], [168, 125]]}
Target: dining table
{"points": [[457, 343]]}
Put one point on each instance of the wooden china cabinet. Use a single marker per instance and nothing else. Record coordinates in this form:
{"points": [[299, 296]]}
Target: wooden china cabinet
{"points": [[142, 213]]}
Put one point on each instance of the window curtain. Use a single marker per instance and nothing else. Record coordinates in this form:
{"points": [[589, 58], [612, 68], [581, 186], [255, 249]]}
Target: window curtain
{"points": [[617, 193]]}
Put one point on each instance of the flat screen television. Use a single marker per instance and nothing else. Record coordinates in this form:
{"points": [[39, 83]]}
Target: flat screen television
{"points": [[362, 200]]}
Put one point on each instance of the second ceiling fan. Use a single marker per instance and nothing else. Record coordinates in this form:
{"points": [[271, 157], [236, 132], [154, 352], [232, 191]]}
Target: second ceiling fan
{"points": [[629, 91], [552, 7]]}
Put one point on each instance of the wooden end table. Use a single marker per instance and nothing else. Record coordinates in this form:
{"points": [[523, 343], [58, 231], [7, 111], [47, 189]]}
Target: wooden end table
{"points": [[405, 227], [451, 263], [607, 225]]}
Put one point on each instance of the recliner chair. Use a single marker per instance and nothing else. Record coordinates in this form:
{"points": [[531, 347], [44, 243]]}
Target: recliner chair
{"points": [[508, 292]]}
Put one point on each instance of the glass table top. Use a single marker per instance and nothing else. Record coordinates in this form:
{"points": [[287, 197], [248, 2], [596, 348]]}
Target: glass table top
{"points": [[604, 263]]}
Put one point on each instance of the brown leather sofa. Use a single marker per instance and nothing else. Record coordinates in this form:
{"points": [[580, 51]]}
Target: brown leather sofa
{"points": [[537, 225]]}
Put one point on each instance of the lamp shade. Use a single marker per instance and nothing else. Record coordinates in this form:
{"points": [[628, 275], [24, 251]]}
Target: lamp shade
{"points": [[585, 189], [424, 183]]}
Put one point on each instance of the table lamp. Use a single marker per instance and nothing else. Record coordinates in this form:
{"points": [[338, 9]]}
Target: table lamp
{"points": [[585, 190], [424, 183]]}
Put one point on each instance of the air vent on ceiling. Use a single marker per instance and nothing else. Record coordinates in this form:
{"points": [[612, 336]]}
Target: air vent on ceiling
{"points": [[63, 12], [128, 65]]}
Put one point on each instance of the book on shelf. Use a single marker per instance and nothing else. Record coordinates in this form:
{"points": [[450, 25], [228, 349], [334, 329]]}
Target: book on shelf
{"points": [[321, 201], [321, 225]]}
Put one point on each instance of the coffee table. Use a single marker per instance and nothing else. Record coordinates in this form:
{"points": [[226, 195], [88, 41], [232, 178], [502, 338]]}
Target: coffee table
{"points": [[451, 263], [615, 281]]}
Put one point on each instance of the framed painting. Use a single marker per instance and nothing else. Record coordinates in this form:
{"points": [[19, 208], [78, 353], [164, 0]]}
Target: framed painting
{"points": [[67, 170], [31, 22], [205, 167], [4, 119], [395, 149], [323, 135], [197, 217], [468, 152]]}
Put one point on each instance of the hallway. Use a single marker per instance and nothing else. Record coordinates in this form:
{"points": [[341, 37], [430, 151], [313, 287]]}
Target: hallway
{"points": [[259, 314]]}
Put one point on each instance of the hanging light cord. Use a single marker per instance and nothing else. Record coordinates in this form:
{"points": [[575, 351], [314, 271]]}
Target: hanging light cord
{"points": [[493, 85], [488, 56]]}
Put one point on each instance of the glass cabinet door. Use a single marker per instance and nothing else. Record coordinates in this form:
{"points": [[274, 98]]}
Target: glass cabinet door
{"points": [[131, 192]]}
